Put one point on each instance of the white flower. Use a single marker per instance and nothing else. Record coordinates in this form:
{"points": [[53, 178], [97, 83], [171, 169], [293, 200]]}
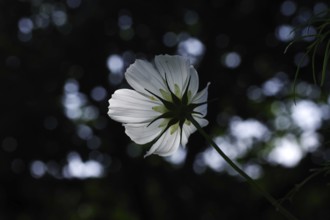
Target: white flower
{"points": [[164, 98]]}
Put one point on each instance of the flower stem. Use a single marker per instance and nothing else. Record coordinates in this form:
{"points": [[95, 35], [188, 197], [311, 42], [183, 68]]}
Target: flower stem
{"points": [[252, 182]]}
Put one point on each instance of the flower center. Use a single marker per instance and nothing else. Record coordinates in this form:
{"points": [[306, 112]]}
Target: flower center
{"points": [[178, 111], [175, 109]]}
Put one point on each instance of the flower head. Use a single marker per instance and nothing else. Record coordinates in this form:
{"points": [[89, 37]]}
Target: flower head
{"points": [[164, 101]]}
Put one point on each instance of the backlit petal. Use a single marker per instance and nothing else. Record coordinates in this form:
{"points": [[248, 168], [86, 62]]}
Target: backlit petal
{"points": [[176, 69], [143, 133], [200, 98], [194, 81], [167, 144], [129, 106], [142, 75]]}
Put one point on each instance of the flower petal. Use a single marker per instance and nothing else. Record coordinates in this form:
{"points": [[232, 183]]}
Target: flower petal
{"points": [[167, 144], [143, 133], [176, 70], [200, 98], [142, 75], [189, 128], [194, 81], [129, 106]]}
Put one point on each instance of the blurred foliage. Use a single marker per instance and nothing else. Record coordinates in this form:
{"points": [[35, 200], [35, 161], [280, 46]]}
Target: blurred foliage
{"points": [[56, 77], [316, 30]]}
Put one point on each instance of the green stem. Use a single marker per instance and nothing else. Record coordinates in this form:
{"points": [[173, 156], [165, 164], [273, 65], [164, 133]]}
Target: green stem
{"points": [[270, 198], [292, 192]]}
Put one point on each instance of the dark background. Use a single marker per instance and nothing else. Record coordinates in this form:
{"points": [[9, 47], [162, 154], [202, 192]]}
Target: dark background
{"points": [[60, 49]]}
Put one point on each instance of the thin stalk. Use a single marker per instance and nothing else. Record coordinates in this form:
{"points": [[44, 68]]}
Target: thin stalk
{"points": [[325, 62], [253, 183], [290, 194], [313, 63]]}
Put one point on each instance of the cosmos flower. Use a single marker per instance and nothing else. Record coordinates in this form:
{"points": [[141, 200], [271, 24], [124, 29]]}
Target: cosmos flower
{"points": [[164, 101]]}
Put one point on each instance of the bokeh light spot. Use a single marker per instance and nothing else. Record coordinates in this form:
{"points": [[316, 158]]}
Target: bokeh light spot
{"points": [[98, 93], [248, 129], [272, 86], [71, 86], [25, 25], [284, 33], [301, 59], [286, 152], [94, 142], [170, 39], [41, 20], [320, 9], [191, 48], [191, 17], [282, 122], [177, 158], [59, 17], [253, 170], [125, 22], [288, 8], [84, 132], [307, 115], [232, 60], [115, 63], [308, 33], [90, 113], [37, 169], [76, 168], [73, 3], [254, 93]]}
